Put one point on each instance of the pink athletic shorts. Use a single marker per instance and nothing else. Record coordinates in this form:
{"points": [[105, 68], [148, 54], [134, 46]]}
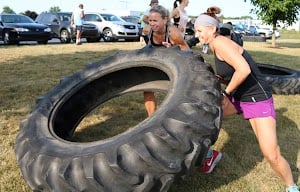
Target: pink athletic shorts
{"points": [[251, 110]]}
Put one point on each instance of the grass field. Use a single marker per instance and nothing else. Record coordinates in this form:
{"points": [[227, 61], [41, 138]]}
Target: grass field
{"points": [[29, 71]]}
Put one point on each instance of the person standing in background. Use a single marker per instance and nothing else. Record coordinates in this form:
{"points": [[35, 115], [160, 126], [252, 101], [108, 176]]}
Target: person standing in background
{"points": [[179, 15], [143, 24], [226, 29], [77, 19]]}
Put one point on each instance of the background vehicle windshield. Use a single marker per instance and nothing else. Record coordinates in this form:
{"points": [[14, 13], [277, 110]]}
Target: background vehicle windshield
{"points": [[16, 19], [110, 17], [65, 16]]}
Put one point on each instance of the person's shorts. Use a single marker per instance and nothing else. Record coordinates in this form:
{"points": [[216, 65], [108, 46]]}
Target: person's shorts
{"points": [[258, 109], [78, 27]]}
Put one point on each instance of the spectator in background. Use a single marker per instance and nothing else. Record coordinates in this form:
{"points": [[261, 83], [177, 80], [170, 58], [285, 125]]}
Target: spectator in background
{"points": [[77, 19], [143, 24], [145, 17], [227, 30], [179, 15]]}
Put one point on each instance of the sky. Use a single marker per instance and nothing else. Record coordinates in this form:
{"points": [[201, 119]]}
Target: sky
{"points": [[232, 8]]}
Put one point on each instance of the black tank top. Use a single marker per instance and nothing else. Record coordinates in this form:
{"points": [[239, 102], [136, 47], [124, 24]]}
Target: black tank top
{"points": [[176, 21], [254, 88], [151, 42]]}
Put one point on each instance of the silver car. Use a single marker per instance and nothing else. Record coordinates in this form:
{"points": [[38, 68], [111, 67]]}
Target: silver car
{"points": [[113, 27]]}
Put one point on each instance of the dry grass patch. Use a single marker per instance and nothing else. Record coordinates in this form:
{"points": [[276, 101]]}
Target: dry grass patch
{"points": [[27, 72]]}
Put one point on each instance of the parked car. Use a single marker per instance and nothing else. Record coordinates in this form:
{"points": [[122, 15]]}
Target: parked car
{"points": [[135, 20], [113, 27], [264, 31], [15, 28], [60, 22], [240, 29]]}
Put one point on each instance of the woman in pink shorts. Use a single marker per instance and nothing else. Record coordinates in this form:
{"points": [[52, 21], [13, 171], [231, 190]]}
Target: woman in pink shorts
{"points": [[247, 92]]}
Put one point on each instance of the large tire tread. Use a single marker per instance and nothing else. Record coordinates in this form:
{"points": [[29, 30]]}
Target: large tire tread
{"points": [[139, 160]]}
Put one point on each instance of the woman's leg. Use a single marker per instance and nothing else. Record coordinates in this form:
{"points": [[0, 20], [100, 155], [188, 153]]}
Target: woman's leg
{"points": [[150, 102], [265, 131]]}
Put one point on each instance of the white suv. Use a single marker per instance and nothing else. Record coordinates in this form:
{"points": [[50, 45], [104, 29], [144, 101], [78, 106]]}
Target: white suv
{"points": [[264, 31], [113, 27]]}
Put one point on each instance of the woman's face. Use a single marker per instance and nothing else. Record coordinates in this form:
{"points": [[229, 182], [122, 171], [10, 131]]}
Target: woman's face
{"points": [[186, 2], [205, 33], [156, 22]]}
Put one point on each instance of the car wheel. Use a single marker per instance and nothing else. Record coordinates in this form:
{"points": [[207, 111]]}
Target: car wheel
{"points": [[147, 157], [284, 81], [65, 36], [7, 40], [262, 35], [108, 35]]}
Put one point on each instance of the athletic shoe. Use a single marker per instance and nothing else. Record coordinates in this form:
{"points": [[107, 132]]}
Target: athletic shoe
{"points": [[212, 158], [294, 188]]}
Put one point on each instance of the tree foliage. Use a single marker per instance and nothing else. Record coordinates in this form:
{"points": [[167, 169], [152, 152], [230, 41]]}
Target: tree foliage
{"points": [[54, 9], [31, 14], [272, 11], [7, 9]]}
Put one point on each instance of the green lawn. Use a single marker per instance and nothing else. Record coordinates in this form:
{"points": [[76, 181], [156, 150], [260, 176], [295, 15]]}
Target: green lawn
{"points": [[29, 71]]}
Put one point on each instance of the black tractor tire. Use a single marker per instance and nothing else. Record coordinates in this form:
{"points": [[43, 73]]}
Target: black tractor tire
{"points": [[147, 157], [254, 38], [283, 80]]}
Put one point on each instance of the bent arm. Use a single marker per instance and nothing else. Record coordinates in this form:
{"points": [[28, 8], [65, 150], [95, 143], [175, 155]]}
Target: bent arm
{"points": [[176, 38], [231, 53], [145, 19]]}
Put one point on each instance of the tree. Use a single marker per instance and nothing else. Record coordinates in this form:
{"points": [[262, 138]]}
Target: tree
{"points": [[31, 14], [54, 9], [7, 9], [272, 11]]}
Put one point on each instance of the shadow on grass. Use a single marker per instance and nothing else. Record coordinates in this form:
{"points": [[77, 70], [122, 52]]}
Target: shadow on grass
{"points": [[25, 79], [286, 44]]}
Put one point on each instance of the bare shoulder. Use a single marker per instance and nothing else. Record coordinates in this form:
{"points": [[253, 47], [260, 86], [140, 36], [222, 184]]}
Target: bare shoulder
{"points": [[225, 48], [221, 43], [174, 33], [176, 38]]}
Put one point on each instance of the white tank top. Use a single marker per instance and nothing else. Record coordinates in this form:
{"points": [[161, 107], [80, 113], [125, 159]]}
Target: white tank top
{"points": [[184, 18]]}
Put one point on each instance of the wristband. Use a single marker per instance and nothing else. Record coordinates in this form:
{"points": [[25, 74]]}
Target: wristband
{"points": [[224, 93]]}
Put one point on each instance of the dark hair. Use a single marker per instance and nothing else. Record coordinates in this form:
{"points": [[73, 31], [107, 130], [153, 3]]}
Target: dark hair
{"points": [[213, 11], [161, 10], [224, 31], [175, 3]]}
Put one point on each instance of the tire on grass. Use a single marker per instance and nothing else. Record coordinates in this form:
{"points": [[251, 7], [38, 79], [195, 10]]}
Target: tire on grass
{"points": [[284, 81], [146, 157], [254, 38]]}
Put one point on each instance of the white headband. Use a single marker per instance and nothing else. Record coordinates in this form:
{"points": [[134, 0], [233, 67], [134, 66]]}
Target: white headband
{"points": [[206, 20]]}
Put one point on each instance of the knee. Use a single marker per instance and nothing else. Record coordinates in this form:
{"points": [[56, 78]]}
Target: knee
{"points": [[273, 157]]}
